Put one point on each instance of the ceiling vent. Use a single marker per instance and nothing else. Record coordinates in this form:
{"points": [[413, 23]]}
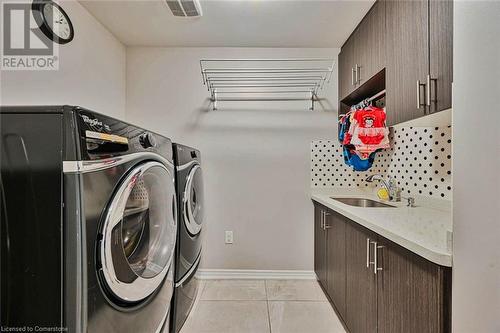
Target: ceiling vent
{"points": [[186, 8]]}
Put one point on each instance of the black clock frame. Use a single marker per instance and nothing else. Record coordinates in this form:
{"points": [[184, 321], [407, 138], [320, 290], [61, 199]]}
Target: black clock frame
{"points": [[42, 22]]}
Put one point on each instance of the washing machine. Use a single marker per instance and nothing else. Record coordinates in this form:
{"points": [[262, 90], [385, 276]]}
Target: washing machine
{"points": [[89, 222], [189, 181]]}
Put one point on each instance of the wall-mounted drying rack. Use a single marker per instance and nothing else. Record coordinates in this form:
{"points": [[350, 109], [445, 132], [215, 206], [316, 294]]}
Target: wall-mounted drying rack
{"points": [[265, 79]]}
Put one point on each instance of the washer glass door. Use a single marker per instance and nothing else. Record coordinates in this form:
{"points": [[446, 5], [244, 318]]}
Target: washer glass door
{"points": [[139, 233], [193, 201]]}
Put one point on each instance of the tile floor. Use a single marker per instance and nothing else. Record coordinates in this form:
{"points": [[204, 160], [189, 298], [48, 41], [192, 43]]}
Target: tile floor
{"points": [[262, 306]]}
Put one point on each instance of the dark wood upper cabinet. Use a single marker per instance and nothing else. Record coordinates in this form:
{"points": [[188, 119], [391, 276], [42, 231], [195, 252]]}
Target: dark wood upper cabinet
{"points": [[363, 54], [370, 47], [441, 53], [411, 292], [346, 69], [407, 59], [336, 257], [361, 287], [413, 41]]}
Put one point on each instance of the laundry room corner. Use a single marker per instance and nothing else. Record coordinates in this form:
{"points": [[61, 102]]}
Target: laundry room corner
{"points": [[247, 149]]}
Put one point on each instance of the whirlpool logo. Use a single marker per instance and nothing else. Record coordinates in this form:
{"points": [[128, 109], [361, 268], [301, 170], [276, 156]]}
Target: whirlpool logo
{"points": [[24, 46], [95, 123]]}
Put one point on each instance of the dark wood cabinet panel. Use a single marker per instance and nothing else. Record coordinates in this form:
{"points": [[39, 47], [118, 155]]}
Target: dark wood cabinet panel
{"points": [[319, 245], [441, 53], [361, 287], [411, 292], [342, 60], [407, 293], [364, 51], [407, 58], [413, 41], [336, 252], [346, 65], [393, 291], [370, 43]]}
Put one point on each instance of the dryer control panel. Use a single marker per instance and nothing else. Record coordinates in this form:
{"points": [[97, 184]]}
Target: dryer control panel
{"points": [[104, 137]]}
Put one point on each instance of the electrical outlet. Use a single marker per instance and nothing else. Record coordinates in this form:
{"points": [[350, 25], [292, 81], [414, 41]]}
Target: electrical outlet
{"points": [[229, 237]]}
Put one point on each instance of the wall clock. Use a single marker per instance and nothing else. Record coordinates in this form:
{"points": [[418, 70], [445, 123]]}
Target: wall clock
{"points": [[53, 21]]}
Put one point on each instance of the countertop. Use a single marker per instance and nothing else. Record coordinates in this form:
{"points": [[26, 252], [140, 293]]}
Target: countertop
{"points": [[425, 229]]}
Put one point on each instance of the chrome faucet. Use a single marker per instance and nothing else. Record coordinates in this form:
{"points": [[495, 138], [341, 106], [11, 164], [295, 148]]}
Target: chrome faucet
{"points": [[390, 185]]}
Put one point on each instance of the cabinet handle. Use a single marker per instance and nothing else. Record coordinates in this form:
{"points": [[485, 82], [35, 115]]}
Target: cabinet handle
{"points": [[357, 73], [326, 226], [321, 220], [428, 88], [375, 257], [353, 73], [368, 253], [419, 103]]}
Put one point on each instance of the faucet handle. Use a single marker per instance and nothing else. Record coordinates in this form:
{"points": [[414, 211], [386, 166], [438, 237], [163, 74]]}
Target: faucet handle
{"points": [[394, 189], [410, 201]]}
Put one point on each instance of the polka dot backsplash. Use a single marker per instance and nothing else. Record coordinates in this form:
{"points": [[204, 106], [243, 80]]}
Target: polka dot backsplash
{"points": [[419, 159]]}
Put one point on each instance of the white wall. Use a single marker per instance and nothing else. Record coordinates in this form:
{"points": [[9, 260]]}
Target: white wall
{"points": [[91, 71], [476, 165], [256, 160]]}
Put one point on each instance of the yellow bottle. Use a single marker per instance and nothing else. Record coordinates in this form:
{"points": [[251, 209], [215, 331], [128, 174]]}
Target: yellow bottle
{"points": [[383, 194]]}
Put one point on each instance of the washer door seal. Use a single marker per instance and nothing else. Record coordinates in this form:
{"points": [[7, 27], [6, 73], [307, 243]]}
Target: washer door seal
{"points": [[192, 202], [139, 233]]}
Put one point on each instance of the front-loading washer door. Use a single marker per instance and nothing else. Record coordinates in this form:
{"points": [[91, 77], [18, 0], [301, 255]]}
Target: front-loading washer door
{"points": [[192, 202], [139, 233]]}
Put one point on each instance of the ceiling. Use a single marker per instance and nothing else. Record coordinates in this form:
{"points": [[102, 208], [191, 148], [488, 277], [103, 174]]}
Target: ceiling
{"points": [[232, 23]]}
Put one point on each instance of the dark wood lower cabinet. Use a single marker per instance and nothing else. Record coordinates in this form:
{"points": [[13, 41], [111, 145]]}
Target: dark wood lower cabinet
{"points": [[361, 289], [319, 245], [375, 284], [336, 258], [411, 293]]}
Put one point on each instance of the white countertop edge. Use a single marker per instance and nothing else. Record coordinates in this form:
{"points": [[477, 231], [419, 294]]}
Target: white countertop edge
{"points": [[443, 259]]}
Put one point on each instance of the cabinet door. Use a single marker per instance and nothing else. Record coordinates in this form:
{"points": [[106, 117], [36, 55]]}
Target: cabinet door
{"points": [[410, 292], [336, 264], [343, 74], [346, 65], [407, 58], [441, 53], [370, 43], [319, 245], [361, 291]]}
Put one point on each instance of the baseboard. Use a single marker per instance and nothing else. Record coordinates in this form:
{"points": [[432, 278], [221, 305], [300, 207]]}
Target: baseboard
{"points": [[250, 274]]}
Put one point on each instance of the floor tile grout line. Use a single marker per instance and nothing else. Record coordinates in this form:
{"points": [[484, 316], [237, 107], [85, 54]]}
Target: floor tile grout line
{"points": [[263, 300], [233, 300], [268, 294], [268, 310], [296, 300]]}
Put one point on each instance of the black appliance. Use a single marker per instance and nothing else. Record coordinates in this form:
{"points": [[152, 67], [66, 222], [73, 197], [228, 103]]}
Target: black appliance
{"points": [[88, 224], [189, 181]]}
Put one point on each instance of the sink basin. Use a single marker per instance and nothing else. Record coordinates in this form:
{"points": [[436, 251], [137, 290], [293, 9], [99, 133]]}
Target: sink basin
{"points": [[361, 202]]}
